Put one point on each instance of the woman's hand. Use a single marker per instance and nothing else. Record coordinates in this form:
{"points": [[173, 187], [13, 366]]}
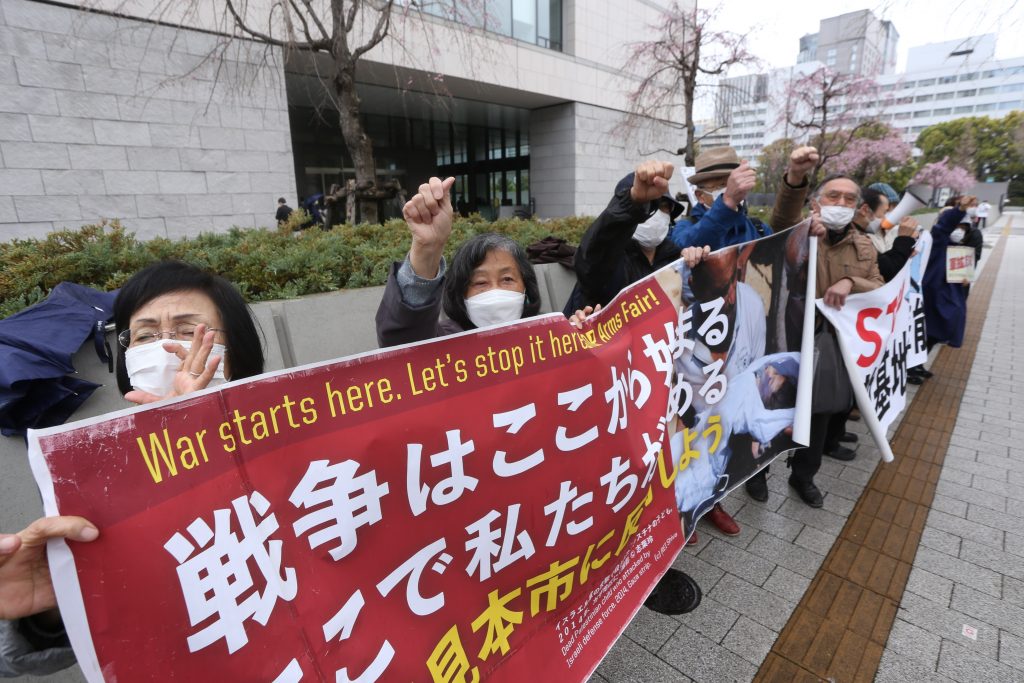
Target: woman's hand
{"points": [[197, 367], [429, 217], [25, 584], [694, 255], [579, 317]]}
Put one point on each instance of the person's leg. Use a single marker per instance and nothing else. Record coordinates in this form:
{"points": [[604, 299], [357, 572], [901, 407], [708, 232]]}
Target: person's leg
{"points": [[834, 434], [806, 462]]}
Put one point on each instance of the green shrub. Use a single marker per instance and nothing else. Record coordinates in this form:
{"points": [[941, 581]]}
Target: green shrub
{"points": [[264, 263]]}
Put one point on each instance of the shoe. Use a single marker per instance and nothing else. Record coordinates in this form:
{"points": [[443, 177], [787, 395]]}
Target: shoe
{"points": [[723, 521], [848, 437], [854, 415], [842, 453], [927, 374], [757, 488], [916, 380], [675, 593], [807, 491], [693, 539]]}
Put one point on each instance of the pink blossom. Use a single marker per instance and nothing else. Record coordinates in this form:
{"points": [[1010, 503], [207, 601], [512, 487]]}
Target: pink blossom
{"points": [[942, 174]]}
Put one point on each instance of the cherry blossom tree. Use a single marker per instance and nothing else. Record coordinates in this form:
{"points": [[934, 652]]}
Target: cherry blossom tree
{"points": [[686, 53], [870, 154], [828, 109], [941, 174]]}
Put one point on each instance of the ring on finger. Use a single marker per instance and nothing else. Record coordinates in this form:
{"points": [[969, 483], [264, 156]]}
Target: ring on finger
{"points": [[194, 374]]}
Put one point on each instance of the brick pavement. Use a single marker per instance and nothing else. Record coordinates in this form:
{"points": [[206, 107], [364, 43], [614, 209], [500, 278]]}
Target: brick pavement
{"points": [[961, 562]]}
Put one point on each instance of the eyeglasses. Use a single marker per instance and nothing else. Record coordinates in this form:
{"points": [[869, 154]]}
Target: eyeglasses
{"points": [[845, 197], [183, 332]]}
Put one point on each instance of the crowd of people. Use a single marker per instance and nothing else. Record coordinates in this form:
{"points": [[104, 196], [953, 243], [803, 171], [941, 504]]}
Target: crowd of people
{"points": [[180, 329]]}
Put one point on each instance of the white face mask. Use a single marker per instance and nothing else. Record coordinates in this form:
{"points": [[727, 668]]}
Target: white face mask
{"points": [[495, 306], [873, 226], [836, 218], [956, 236], [152, 369], [652, 232], [715, 194], [972, 212]]}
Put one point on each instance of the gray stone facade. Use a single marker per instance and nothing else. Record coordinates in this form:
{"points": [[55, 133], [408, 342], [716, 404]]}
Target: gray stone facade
{"points": [[105, 117]]}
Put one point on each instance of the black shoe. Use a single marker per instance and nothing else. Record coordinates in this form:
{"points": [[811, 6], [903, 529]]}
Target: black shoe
{"points": [[927, 374], [916, 380], [675, 593], [807, 491], [757, 488], [848, 437], [842, 453]]}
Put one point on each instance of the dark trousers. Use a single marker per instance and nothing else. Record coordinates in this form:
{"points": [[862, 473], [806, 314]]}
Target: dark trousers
{"points": [[836, 428], [806, 462]]}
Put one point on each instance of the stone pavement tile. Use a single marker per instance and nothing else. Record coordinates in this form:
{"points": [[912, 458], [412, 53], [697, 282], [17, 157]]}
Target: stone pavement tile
{"points": [[758, 517], [1013, 591], [787, 585], [753, 601], [992, 610], [1001, 459], [833, 502], [816, 540], [706, 575], [1015, 478], [855, 475], [839, 487], [750, 640], [1011, 650], [777, 551], [951, 506], [948, 624], [597, 678], [961, 664], [959, 571], [650, 629], [1016, 507], [957, 476], [1014, 544], [627, 662], [990, 558], [701, 660], [942, 541], [998, 491], [733, 559], [819, 519], [740, 540], [966, 528], [993, 519], [968, 494], [711, 619], [896, 668], [915, 643], [931, 586]]}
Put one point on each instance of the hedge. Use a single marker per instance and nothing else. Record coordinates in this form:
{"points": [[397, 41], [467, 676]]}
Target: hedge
{"points": [[264, 263]]}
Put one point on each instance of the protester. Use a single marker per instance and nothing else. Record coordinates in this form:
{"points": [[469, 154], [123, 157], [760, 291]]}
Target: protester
{"points": [[283, 211], [945, 303], [629, 240], [180, 329], [847, 263], [491, 279], [981, 213]]}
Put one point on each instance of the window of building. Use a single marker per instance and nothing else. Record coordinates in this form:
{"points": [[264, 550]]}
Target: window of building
{"points": [[901, 115], [923, 113], [967, 93], [985, 107], [917, 129], [989, 90], [1010, 105], [945, 95], [830, 56], [533, 21], [909, 84], [966, 109], [969, 76], [924, 98], [941, 112], [887, 88], [926, 81], [904, 100], [947, 79]]}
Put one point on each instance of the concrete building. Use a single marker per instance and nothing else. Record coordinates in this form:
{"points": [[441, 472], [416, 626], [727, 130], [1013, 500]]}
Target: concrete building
{"points": [[113, 116], [951, 80], [856, 42]]}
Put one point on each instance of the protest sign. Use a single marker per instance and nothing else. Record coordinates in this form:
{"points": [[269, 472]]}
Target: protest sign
{"points": [[879, 338], [738, 367], [484, 506], [959, 264]]}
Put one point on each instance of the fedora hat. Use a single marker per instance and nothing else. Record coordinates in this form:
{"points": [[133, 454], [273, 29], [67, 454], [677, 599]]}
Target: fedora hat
{"points": [[714, 163]]}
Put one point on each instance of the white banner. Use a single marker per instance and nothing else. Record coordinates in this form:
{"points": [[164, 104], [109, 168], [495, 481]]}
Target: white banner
{"points": [[877, 337]]}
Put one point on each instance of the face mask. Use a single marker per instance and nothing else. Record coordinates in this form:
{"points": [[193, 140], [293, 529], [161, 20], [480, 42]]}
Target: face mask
{"points": [[873, 226], [972, 212], [836, 218], [715, 194], [495, 306], [152, 369], [652, 232], [956, 236]]}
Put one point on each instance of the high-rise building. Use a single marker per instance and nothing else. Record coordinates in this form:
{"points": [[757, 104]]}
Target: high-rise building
{"points": [[856, 42]]}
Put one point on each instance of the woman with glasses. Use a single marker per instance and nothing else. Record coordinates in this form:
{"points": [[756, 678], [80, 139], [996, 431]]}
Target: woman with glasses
{"points": [[179, 330]]}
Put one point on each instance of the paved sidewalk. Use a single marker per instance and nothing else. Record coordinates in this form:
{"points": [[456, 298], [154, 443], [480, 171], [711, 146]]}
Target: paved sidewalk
{"points": [[968, 569]]}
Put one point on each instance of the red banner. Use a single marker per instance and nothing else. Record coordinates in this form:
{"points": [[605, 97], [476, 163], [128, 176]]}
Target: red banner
{"points": [[484, 506]]}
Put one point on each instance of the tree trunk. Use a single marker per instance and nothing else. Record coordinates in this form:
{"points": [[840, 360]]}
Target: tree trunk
{"points": [[357, 142]]}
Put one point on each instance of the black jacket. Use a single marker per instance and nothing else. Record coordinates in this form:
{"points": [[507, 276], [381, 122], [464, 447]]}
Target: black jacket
{"points": [[891, 262]]}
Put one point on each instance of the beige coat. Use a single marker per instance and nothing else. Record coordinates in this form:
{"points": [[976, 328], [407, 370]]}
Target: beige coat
{"points": [[854, 257]]}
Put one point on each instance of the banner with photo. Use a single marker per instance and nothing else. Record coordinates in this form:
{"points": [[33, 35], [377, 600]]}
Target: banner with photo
{"points": [[880, 336], [483, 506], [742, 316]]}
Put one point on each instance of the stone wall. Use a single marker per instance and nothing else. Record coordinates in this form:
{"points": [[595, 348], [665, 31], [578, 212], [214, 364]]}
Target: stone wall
{"points": [[104, 117]]}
